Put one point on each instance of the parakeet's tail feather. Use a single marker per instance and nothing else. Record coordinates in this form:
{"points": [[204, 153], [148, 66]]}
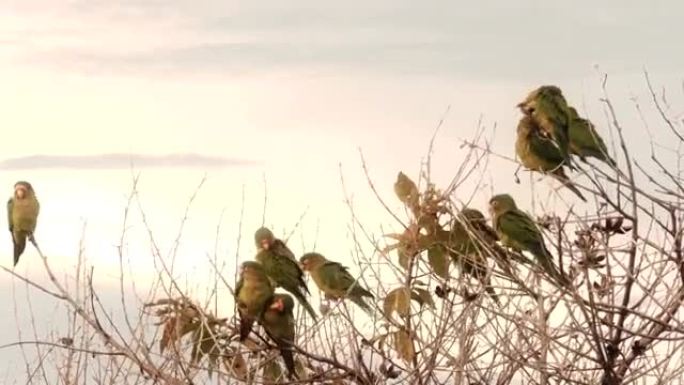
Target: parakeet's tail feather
{"points": [[245, 327], [358, 300], [606, 159], [303, 285], [302, 300], [550, 268], [288, 358], [561, 177], [361, 292], [19, 241]]}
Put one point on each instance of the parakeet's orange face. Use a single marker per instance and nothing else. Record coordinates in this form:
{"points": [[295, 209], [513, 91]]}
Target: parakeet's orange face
{"points": [[500, 204], [250, 269], [264, 238], [265, 244], [20, 191], [277, 305], [495, 207]]}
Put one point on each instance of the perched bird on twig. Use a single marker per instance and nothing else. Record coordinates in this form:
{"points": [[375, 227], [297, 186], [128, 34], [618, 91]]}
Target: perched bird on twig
{"points": [[518, 231], [22, 216], [334, 280]]}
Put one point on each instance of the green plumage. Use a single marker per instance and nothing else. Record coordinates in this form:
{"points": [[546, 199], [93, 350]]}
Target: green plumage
{"points": [[334, 280], [22, 216], [538, 153], [517, 230], [285, 272], [265, 240], [279, 323], [585, 141], [252, 293], [549, 109], [470, 241]]}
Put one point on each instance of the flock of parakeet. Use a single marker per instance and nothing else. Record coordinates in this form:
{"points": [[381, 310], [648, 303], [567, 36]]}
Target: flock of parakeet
{"points": [[548, 134], [276, 266], [551, 131]]}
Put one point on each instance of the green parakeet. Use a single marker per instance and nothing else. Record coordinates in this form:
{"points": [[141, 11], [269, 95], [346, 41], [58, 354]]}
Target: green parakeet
{"points": [[540, 154], [265, 240], [470, 240], [547, 106], [585, 141], [334, 280], [285, 272], [517, 230], [22, 216], [279, 323], [252, 293]]}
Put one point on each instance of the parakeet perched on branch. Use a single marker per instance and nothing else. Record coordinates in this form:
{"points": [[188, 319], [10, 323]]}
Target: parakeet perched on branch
{"points": [[22, 216], [585, 141], [286, 273], [538, 153], [549, 109], [470, 241], [279, 323], [252, 293], [334, 280], [517, 230]]}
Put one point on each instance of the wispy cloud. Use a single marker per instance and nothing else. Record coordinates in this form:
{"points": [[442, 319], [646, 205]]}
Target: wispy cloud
{"points": [[527, 40], [117, 161]]}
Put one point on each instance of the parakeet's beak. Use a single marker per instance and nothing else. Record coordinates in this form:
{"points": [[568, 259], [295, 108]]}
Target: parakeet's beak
{"points": [[277, 305], [20, 192], [302, 265], [523, 107], [265, 244]]}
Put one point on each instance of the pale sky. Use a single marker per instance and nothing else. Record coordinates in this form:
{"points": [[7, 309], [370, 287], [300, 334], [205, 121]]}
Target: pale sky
{"points": [[292, 90], [252, 78]]}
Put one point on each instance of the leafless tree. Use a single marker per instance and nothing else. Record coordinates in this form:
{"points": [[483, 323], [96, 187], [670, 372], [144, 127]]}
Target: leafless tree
{"points": [[436, 321]]}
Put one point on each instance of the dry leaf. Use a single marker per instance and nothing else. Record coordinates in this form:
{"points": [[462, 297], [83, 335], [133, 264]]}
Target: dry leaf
{"points": [[236, 366], [403, 345], [423, 297], [397, 300], [272, 371]]}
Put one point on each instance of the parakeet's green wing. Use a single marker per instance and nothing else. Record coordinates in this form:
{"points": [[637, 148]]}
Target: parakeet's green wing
{"points": [[520, 229], [338, 276], [284, 271], [546, 149], [280, 248], [10, 206]]}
